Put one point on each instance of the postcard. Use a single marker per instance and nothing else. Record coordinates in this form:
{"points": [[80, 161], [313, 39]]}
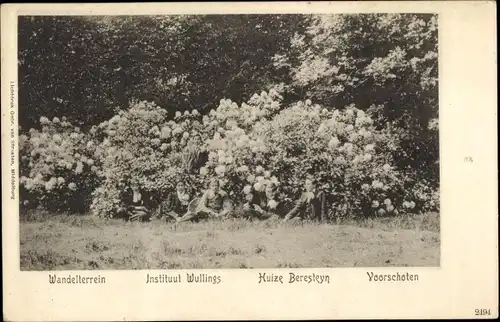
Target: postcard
{"points": [[256, 160]]}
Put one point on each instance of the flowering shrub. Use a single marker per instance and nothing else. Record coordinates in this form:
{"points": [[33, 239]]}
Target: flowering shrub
{"points": [[258, 143], [141, 146], [236, 151], [144, 146], [246, 147], [58, 168]]}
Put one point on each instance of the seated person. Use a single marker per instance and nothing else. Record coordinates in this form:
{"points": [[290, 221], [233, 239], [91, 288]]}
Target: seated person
{"points": [[134, 209], [263, 205], [310, 205], [211, 204], [176, 203]]}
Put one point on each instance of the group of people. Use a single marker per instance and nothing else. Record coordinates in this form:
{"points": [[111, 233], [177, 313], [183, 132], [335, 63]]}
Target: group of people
{"points": [[177, 207]]}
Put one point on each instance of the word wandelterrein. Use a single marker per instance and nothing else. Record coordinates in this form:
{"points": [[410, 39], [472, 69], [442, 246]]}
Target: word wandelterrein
{"points": [[190, 278], [294, 278], [76, 279]]}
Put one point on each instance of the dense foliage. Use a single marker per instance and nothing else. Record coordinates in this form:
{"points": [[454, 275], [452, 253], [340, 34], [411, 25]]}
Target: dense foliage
{"points": [[350, 99], [59, 166], [86, 67], [383, 63]]}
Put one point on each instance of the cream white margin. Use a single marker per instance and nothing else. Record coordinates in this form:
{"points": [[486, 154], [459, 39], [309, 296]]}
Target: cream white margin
{"points": [[466, 280]]}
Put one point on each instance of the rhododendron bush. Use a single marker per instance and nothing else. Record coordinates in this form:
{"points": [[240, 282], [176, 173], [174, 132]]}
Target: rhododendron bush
{"points": [[246, 147], [59, 166], [350, 160], [143, 147], [347, 157]]}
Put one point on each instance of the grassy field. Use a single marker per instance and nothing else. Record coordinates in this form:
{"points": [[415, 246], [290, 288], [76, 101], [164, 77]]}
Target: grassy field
{"points": [[84, 242]]}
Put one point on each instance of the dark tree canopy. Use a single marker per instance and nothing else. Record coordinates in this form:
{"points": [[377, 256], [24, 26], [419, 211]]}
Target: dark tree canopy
{"points": [[88, 68]]}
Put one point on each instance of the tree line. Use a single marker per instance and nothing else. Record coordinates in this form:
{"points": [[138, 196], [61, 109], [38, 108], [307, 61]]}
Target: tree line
{"points": [[89, 68]]}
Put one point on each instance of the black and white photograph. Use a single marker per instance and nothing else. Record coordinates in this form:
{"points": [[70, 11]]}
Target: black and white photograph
{"points": [[228, 141]]}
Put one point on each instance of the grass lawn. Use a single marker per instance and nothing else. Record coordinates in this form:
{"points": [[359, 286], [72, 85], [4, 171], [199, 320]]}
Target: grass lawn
{"points": [[69, 242]]}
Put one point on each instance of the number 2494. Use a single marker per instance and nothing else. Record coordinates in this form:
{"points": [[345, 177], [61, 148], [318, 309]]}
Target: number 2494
{"points": [[482, 312]]}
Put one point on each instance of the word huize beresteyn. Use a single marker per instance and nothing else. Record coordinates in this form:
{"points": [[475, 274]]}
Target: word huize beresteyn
{"points": [[294, 278]]}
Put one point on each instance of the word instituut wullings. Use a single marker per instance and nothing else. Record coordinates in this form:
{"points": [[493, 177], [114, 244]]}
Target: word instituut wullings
{"points": [[190, 278]]}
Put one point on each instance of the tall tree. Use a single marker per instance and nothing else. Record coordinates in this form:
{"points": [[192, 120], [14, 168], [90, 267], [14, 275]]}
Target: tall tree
{"points": [[386, 63], [87, 67]]}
